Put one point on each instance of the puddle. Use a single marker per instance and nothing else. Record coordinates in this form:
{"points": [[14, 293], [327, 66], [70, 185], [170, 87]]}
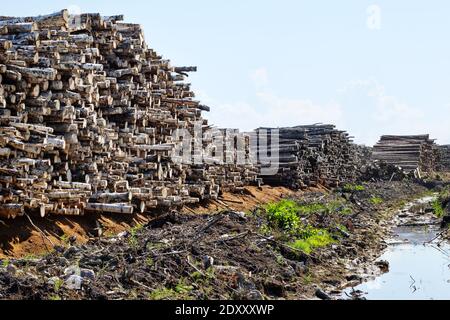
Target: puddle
{"points": [[419, 266]]}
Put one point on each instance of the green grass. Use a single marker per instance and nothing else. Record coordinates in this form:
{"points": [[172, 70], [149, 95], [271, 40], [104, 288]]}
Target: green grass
{"points": [[5, 263], [58, 284], [353, 187], [133, 240], [64, 239], [438, 208], [265, 230], [180, 292], [338, 206], [183, 288], [162, 294], [313, 239], [149, 262], [307, 279], [376, 200], [310, 208]]}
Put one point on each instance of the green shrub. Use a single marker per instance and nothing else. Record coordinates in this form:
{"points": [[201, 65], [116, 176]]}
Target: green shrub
{"points": [[284, 215], [313, 238]]}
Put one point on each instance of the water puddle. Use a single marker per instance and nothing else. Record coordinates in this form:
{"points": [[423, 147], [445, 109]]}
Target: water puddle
{"points": [[419, 264]]}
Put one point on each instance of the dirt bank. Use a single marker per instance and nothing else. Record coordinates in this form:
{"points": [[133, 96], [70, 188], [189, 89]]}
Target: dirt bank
{"points": [[20, 238], [230, 255]]}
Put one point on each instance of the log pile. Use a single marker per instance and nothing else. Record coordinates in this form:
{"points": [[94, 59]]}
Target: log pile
{"points": [[411, 153], [444, 158], [311, 155], [88, 116]]}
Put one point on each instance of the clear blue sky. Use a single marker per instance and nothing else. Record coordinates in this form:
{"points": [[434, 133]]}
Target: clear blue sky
{"points": [[289, 62]]}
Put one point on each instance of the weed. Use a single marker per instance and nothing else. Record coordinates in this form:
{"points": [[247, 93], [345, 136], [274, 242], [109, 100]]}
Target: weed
{"points": [[181, 292], [353, 187], [155, 246], [149, 262], [342, 227], [400, 204], [5, 263], [280, 259], [438, 209], [376, 200], [284, 215], [182, 287], [196, 276], [313, 238], [54, 297], [64, 239], [58, 284], [307, 209], [162, 294], [307, 279], [29, 257], [133, 241], [200, 277], [265, 230]]}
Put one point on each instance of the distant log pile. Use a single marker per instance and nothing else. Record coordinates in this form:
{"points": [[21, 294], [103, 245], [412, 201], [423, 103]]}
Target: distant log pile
{"points": [[416, 152], [311, 155], [88, 115], [444, 158]]}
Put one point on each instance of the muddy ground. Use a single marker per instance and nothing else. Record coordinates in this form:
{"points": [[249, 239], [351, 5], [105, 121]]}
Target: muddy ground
{"points": [[201, 254]]}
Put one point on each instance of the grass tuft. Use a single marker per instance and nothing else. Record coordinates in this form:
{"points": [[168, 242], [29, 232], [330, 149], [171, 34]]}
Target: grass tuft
{"points": [[353, 187], [376, 200], [438, 209], [317, 238]]}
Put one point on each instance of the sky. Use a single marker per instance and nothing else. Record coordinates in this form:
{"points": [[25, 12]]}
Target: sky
{"points": [[369, 67]]}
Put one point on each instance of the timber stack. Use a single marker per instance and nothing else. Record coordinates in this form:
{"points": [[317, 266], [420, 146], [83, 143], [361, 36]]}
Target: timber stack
{"points": [[309, 155], [88, 119], [444, 158], [409, 152]]}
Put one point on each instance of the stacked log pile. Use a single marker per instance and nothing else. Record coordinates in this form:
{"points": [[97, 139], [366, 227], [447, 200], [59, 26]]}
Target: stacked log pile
{"points": [[233, 162], [411, 153], [88, 115], [311, 155], [444, 158]]}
